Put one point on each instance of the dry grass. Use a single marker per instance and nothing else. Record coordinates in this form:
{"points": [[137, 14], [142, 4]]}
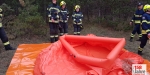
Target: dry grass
{"points": [[6, 56]]}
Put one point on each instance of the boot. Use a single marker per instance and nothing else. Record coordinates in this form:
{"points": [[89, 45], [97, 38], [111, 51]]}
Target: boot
{"points": [[56, 38], [61, 34], [78, 34], [8, 47], [131, 39], [75, 33], [52, 40], [140, 52]]}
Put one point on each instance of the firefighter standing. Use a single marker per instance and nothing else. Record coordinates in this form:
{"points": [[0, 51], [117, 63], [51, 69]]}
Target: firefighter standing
{"points": [[137, 21], [145, 29], [64, 16], [77, 20], [3, 35], [53, 15]]}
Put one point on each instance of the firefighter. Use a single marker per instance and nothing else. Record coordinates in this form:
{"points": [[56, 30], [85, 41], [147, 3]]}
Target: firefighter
{"points": [[137, 21], [53, 15], [77, 20], [145, 29], [3, 35], [64, 16]]}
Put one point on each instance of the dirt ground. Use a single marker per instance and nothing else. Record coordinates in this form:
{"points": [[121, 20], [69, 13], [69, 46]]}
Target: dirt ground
{"points": [[6, 56]]}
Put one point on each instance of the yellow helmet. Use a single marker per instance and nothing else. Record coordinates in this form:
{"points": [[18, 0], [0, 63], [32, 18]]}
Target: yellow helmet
{"points": [[145, 7], [1, 10], [77, 6], [62, 3]]}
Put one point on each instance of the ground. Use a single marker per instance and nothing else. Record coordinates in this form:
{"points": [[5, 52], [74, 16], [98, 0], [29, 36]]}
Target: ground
{"points": [[6, 56]]}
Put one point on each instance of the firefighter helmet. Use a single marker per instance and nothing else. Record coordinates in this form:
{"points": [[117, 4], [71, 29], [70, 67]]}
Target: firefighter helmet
{"points": [[62, 3], [144, 8], [147, 7], [77, 6]]}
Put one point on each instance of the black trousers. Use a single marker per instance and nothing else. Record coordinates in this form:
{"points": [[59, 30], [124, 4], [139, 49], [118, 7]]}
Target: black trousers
{"points": [[3, 35], [136, 29], [143, 40], [77, 29], [63, 28], [54, 27]]}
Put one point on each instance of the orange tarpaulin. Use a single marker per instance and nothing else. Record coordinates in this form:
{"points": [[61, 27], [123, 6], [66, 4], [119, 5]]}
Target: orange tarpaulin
{"points": [[24, 58], [23, 61]]}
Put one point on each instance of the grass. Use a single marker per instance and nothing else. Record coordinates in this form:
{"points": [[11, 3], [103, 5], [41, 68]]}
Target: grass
{"points": [[6, 56]]}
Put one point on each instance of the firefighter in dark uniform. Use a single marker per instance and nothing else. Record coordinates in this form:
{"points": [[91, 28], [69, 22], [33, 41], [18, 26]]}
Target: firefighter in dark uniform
{"points": [[77, 20], [3, 35], [64, 16], [137, 21], [53, 15], [145, 29]]}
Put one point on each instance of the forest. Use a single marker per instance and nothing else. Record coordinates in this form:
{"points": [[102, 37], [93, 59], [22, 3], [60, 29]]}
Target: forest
{"points": [[30, 16]]}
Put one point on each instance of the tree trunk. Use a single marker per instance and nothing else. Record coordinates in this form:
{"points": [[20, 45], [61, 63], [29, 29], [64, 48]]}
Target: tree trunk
{"points": [[45, 11]]}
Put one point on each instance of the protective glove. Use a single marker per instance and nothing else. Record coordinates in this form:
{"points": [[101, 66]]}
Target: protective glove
{"points": [[131, 23], [81, 27]]}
